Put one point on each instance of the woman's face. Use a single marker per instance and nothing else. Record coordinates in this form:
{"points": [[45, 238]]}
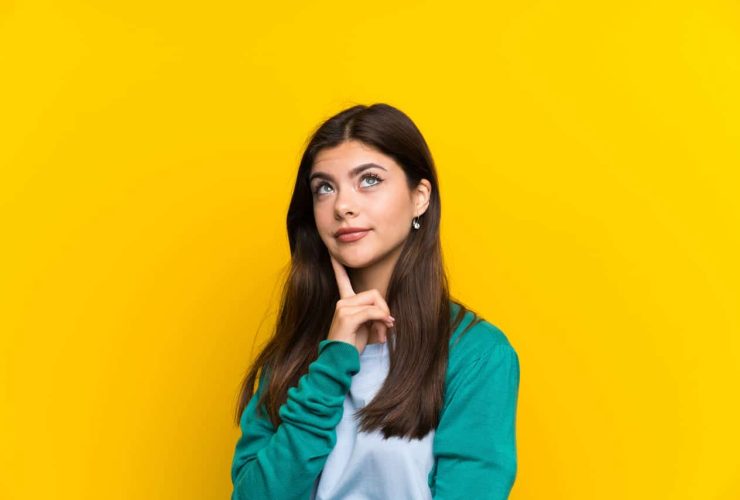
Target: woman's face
{"points": [[355, 185]]}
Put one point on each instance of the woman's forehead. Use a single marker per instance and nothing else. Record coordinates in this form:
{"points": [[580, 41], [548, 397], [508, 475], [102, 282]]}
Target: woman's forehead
{"points": [[349, 155]]}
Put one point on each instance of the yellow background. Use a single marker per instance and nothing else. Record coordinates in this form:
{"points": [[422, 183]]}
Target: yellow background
{"points": [[588, 156]]}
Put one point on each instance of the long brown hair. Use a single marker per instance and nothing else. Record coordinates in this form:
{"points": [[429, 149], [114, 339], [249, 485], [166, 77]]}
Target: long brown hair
{"points": [[409, 402]]}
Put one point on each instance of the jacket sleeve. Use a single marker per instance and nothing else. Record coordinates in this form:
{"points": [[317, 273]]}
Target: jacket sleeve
{"points": [[475, 440], [284, 463]]}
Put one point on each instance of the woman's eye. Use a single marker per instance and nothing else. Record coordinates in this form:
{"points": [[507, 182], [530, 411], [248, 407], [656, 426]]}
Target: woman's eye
{"points": [[377, 180]]}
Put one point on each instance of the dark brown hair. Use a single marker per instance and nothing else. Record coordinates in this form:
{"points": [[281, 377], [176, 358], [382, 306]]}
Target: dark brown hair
{"points": [[409, 402]]}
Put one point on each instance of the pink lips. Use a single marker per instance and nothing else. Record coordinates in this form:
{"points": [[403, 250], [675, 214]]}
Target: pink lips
{"points": [[353, 236]]}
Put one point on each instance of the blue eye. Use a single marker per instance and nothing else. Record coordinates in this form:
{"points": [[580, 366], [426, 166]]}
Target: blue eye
{"points": [[375, 177]]}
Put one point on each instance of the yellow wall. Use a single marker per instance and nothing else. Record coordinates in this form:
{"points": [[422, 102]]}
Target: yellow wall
{"points": [[588, 154]]}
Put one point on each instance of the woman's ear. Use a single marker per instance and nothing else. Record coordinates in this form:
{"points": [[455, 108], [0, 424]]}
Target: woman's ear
{"points": [[422, 194]]}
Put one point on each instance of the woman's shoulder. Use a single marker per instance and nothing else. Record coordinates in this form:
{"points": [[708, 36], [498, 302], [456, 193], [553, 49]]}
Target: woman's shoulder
{"points": [[474, 338], [479, 353]]}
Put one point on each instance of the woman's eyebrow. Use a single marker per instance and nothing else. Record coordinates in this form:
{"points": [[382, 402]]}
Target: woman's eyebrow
{"points": [[352, 173]]}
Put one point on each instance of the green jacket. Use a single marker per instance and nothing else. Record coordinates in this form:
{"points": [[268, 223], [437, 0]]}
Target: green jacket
{"points": [[474, 444]]}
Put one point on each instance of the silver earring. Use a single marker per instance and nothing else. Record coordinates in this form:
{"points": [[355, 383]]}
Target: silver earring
{"points": [[415, 223]]}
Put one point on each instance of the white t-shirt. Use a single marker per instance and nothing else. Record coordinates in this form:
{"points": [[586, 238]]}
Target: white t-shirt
{"points": [[364, 466]]}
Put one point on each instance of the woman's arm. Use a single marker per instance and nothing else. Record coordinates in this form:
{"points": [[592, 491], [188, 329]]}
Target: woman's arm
{"points": [[475, 441], [285, 463]]}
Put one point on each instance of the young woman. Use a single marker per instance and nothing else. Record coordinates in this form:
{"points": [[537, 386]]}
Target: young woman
{"points": [[376, 384]]}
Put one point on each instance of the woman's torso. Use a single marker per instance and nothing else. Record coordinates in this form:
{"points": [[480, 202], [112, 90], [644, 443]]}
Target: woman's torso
{"points": [[364, 466]]}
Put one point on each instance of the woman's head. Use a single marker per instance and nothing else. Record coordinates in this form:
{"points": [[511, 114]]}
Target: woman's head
{"points": [[368, 167]]}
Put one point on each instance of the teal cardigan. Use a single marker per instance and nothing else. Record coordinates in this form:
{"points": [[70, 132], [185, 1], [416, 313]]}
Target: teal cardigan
{"points": [[474, 444]]}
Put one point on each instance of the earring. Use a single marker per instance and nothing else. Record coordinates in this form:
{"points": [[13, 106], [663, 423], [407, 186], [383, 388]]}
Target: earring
{"points": [[415, 223]]}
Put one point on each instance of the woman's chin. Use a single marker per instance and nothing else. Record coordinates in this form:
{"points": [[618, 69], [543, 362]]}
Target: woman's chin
{"points": [[354, 259]]}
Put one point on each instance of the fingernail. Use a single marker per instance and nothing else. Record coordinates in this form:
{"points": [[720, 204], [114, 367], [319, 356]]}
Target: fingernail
{"points": [[392, 318]]}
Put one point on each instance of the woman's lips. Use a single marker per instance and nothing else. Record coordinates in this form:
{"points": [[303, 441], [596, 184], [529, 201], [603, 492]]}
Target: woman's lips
{"points": [[354, 236]]}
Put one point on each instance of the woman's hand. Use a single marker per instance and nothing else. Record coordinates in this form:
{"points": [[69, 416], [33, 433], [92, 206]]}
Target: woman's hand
{"points": [[356, 313]]}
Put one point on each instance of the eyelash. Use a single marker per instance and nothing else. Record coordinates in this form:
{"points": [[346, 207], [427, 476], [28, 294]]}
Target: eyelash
{"points": [[372, 176]]}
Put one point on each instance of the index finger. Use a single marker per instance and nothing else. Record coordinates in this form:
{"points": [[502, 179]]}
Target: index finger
{"points": [[343, 282]]}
